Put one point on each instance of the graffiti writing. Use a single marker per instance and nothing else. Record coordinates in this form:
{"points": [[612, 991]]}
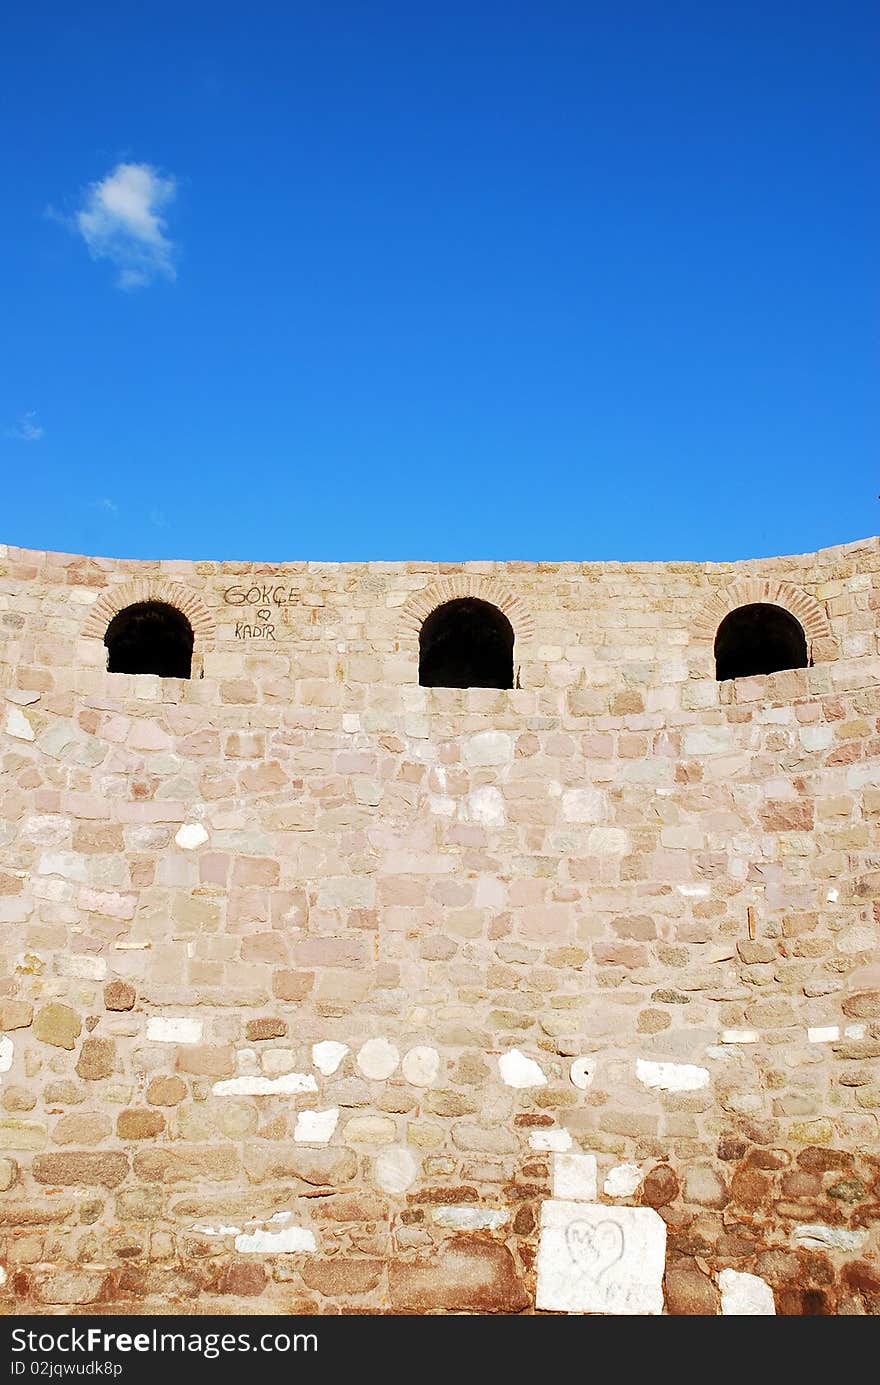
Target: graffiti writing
{"points": [[266, 601]]}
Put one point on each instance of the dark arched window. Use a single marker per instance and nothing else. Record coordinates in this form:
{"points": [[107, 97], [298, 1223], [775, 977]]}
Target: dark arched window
{"points": [[466, 644], [150, 637], [761, 638]]}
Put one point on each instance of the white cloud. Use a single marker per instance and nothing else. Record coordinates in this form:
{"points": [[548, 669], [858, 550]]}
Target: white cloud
{"points": [[121, 221], [27, 429]]}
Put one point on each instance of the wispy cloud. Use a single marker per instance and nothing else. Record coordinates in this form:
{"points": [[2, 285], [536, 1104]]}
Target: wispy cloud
{"points": [[121, 220], [105, 503], [27, 429]]}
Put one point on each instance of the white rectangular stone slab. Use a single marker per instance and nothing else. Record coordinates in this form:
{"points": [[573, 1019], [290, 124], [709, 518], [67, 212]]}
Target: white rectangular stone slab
{"points": [[462, 1218], [164, 1030], [596, 1259], [671, 1077], [288, 1085], [574, 1177], [263, 1242], [826, 1034]]}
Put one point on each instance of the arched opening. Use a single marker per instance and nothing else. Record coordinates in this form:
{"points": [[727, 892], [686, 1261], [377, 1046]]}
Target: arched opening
{"points": [[150, 637], [466, 643], [761, 638]]}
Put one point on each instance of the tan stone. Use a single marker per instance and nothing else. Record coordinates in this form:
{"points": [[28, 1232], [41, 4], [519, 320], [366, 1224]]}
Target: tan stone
{"points": [[58, 1025], [105, 1169], [265, 1028], [119, 995], [21, 1134], [244, 1278], [205, 1060], [139, 1125], [97, 1059], [320, 1167], [69, 1287], [18, 1099], [292, 985], [688, 1290], [236, 1118], [82, 1128], [863, 1006], [15, 1014], [340, 1278], [468, 1276], [190, 1164], [166, 1091]]}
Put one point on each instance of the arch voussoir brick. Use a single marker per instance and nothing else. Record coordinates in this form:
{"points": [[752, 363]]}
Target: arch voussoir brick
{"points": [[746, 591], [118, 598], [463, 584]]}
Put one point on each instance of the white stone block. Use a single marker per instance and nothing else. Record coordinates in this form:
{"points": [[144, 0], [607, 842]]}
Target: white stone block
{"points": [[275, 1061], [711, 741], [607, 841], [863, 775], [395, 1170], [290, 1238], [519, 1071], [191, 835], [818, 1236], [288, 1085], [583, 805], [574, 1177], [327, 1055], [597, 1259], [174, 1031], [17, 725], [377, 1059], [827, 1035], [745, 1295], [421, 1065], [739, 1036], [671, 1077], [7, 1053], [486, 806], [315, 1127], [582, 1072], [470, 1218], [622, 1180], [815, 737], [81, 967], [556, 1140], [488, 748]]}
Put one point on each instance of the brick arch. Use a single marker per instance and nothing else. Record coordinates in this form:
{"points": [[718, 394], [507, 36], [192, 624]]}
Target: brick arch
{"points": [[746, 591], [116, 599], [462, 584]]}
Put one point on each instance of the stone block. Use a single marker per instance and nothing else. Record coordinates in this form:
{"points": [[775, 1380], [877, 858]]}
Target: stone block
{"points": [[597, 1259], [466, 1277]]}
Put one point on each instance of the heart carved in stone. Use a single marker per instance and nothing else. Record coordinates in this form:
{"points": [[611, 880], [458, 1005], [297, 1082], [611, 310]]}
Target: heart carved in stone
{"points": [[594, 1248]]}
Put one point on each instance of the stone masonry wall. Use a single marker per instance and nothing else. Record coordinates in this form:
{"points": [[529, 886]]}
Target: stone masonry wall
{"points": [[320, 990]]}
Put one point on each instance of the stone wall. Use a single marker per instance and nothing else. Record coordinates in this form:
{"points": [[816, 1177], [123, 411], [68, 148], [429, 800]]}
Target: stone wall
{"points": [[325, 992]]}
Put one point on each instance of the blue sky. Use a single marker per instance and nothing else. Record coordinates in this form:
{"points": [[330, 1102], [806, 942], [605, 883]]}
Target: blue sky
{"points": [[392, 280]]}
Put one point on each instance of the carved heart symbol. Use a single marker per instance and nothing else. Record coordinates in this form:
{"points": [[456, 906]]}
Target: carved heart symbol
{"points": [[263, 614], [596, 1249]]}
